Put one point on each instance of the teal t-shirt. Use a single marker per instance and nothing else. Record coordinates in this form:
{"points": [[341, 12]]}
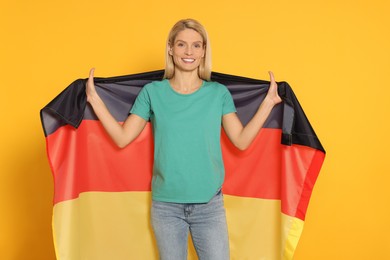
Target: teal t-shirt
{"points": [[188, 166]]}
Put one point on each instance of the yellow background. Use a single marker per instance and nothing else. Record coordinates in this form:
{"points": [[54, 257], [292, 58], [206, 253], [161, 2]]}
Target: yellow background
{"points": [[335, 55]]}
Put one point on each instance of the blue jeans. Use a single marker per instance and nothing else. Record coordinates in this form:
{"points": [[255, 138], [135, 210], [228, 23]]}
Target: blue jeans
{"points": [[206, 221]]}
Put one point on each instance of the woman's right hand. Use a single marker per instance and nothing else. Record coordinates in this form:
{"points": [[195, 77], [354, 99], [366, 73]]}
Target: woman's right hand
{"points": [[90, 87], [122, 135]]}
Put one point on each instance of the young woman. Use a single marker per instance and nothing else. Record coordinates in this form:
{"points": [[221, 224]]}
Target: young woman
{"points": [[186, 110]]}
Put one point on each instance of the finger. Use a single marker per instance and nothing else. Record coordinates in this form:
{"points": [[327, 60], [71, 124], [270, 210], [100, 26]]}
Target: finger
{"points": [[91, 72], [272, 78]]}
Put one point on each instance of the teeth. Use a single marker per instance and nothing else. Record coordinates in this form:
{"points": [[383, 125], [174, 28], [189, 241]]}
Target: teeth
{"points": [[189, 60]]}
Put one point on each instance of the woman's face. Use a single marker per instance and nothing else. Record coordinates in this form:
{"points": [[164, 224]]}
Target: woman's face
{"points": [[187, 50]]}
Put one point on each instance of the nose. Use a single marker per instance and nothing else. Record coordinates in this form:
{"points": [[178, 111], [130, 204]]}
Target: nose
{"points": [[188, 50]]}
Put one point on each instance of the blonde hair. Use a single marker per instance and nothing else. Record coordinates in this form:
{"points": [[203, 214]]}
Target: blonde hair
{"points": [[204, 70]]}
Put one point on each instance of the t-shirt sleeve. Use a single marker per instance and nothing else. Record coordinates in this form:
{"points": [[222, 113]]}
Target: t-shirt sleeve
{"points": [[141, 106], [227, 103]]}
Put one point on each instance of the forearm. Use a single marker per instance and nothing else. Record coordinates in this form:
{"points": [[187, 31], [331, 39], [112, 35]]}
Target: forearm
{"points": [[113, 128], [250, 131]]}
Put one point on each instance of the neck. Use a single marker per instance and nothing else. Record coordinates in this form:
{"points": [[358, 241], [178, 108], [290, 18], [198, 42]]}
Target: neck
{"points": [[186, 81]]}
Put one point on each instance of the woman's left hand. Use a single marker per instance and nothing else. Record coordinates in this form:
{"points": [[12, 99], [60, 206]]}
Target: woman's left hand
{"points": [[272, 94]]}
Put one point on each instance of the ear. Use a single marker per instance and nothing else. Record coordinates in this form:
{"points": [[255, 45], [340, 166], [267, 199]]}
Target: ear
{"points": [[170, 50]]}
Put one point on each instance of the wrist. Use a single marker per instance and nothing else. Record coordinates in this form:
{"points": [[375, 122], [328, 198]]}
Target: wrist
{"points": [[94, 99], [269, 102]]}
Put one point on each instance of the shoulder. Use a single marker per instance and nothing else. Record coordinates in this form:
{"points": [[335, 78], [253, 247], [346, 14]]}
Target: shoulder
{"points": [[216, 86], [154, 85]]}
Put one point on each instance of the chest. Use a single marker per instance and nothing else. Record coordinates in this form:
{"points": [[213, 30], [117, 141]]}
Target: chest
{"points": [[177, 111]]}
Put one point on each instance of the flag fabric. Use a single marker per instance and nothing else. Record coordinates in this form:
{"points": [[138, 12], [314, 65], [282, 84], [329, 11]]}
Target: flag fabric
{"points": [[102, 194]]}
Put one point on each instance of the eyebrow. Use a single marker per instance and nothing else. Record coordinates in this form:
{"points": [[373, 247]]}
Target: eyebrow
{"points": [[201, 42]]}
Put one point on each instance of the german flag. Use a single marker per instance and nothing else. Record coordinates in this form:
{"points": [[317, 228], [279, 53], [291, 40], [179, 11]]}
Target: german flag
{"points": [[102, 193]]}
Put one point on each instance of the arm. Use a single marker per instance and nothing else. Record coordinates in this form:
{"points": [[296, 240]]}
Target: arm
{"points": [[122, 135], [241, 136]]}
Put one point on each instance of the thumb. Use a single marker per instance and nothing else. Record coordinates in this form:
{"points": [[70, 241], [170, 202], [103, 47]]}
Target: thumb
{"points": [[91, 73], [271, 75]]}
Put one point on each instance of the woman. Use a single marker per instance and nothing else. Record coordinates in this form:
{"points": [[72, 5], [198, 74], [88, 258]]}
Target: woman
{"points": [[186, 110]]}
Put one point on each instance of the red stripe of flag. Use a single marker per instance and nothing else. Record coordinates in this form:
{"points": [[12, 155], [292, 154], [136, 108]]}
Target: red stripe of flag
{"points": [[98, 165]]}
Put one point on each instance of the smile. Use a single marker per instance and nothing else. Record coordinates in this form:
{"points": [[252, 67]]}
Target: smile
{"points": [[188, 60]]}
